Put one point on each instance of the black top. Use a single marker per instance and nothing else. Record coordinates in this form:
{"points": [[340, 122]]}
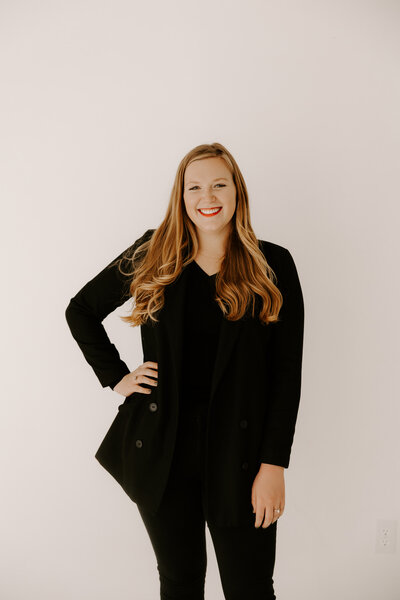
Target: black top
{"points": [[202, 320]]}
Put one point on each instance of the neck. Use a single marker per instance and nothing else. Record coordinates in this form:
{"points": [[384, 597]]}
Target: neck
{"points": [[212, 245]]}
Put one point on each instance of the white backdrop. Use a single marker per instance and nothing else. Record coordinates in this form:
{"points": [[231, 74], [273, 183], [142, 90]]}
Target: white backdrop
{"points": [[99, 102]]}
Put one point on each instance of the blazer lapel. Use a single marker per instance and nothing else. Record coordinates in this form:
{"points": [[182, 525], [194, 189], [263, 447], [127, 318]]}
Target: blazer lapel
{"points": [[172, 320]]}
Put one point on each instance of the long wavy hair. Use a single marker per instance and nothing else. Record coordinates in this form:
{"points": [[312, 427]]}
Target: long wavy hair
{"points": [[244, 280]]}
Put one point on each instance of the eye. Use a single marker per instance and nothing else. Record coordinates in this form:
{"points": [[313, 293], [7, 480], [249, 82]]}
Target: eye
{"points": [[195, 186]]}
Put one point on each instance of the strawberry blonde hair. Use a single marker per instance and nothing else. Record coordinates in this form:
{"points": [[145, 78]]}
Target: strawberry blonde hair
{"points": [[244, 279]]}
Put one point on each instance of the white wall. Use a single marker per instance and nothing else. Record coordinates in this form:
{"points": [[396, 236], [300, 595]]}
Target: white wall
{"points": [[99, 102]]}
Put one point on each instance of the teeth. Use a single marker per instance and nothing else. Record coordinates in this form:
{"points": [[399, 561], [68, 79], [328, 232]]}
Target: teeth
{"points": [[209, 211]]}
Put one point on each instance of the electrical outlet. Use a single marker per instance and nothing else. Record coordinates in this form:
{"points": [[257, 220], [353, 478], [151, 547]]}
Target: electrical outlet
{"points": [[386, 534]]}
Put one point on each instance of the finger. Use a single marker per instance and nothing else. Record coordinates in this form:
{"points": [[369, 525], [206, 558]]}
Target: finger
{"points": [[151, 372], [149, 380], [254, 505], [277, 514], [269, 515], [260, 513], [144, 370], [142, 378]]}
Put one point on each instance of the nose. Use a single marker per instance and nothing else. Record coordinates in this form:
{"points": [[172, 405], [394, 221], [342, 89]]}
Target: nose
{"points": [[209, 196]]}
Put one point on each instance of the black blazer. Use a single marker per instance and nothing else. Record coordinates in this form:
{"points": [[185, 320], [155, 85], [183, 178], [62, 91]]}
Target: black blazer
{"points": [[254, 397]]}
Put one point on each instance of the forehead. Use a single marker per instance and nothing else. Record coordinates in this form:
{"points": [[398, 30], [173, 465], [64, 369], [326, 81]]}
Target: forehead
{"points": [[206, 169]]}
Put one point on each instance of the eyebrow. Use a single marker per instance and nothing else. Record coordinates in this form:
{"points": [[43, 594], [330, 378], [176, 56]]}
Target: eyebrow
{"points": [[217, 179]]}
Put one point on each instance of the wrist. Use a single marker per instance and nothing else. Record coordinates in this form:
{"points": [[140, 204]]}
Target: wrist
{"points": [[267, 466]]}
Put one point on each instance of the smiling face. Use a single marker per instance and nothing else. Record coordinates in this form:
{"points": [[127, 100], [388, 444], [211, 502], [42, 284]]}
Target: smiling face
{"points": [[209, 194]]}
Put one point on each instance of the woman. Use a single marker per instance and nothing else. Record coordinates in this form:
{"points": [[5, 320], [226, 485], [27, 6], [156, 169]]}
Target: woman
{"points": [[206, 428]]}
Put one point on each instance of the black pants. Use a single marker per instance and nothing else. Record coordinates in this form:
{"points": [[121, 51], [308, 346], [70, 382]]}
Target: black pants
{"points": [[245, 555]]}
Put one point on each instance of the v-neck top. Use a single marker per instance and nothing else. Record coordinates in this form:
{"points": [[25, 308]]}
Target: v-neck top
{"points": [[202, 320]]}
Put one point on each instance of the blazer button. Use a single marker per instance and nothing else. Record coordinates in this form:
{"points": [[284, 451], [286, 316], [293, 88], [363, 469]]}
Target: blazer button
{"points": [[243, 424], [153, 406], [139, 443], [245, 465]]}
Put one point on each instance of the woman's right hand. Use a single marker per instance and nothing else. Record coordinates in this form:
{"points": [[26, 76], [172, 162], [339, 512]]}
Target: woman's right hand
{"points": [[130, 382]]}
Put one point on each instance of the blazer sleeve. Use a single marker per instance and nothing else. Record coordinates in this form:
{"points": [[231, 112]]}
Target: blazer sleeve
{"points": [[286, 352], [89, 307]]}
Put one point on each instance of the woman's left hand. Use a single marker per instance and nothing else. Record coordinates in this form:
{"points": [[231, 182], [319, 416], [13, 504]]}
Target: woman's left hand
{"points": [[267, 494]]}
